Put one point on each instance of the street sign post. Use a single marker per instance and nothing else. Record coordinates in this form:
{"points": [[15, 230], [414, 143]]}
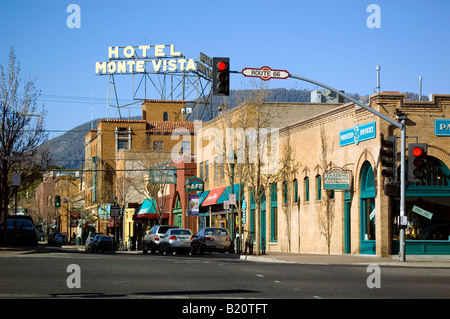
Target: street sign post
{"points": [[265, 73]]}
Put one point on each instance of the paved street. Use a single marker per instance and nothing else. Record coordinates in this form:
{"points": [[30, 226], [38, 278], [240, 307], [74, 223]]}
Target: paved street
{"points": [[133, 275]]}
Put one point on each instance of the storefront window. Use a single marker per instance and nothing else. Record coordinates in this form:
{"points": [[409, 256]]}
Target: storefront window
{"points": [[368, 202], [427, 205], [428, 219], [369, 214]]}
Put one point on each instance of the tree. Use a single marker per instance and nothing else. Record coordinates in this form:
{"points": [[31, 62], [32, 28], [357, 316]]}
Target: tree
{"points": [[259, 151], [21, 133], [288, 167], [326, 213]]}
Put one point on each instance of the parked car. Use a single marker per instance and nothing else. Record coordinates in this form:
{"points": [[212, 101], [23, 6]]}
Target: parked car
{"points": [[103, 243], [89, 239], [152, 238], [211, 239], [176, 240], [19, 232], [93, 243], [60, 239]]}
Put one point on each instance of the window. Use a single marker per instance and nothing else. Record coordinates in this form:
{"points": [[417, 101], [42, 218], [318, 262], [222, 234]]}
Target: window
{"points": [[201, 170], [216, 169], [206, 170], [306, 185], [157, 145], [319, 187], [165, 116], [295, 191], [273, 213], [186, 147], [122, 144]]}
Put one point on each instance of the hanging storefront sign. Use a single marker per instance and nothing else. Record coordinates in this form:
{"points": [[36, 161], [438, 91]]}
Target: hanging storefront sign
{"points": [[163, 174], [194, 184], [357, 134], [337, 179]]}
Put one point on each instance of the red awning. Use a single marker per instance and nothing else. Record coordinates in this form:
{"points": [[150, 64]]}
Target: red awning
{"points": [[113, 223], [213, 196], [149, 216]]}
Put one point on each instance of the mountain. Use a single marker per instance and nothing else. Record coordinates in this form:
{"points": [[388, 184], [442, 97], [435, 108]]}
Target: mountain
{"points": [[67, 150]]}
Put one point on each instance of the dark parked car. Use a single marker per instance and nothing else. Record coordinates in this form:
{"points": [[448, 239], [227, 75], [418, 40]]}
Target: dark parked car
{"points": [[211, 239], [91, 246], [151, 240], [19, 232], [60, 239], [103, 243], [89, 239]]}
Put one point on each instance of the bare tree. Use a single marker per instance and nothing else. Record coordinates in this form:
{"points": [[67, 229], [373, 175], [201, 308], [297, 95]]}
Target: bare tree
{"points": [[21, 133], [326, 213], [259, 153], [288, 168]]}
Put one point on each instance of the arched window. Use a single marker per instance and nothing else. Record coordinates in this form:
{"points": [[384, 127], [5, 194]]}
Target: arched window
{"points": [[306, 187], [368, 217], [319, 187], [165, 116], [295, 191]]}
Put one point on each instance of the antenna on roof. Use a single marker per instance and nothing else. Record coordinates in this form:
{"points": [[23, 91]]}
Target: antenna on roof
{"points": [[92, 110], [420, 88], [378, 78]]}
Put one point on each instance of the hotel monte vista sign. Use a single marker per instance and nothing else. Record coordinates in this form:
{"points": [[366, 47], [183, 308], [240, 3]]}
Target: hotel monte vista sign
{"points": [[144, 58], [357, 134]]}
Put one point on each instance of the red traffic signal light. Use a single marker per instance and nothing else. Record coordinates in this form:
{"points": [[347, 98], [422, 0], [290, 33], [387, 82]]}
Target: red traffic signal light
{"points": [[417, 153], [221, 76], [222, 65]]}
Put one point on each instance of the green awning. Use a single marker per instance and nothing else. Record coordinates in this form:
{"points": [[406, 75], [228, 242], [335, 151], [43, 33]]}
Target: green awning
{"points": [[202, 197], [226, 193]]}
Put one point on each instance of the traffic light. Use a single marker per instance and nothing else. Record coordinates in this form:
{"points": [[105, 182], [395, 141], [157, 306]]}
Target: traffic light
{"points": [[388, 155], [57, 201], [417, 160], [221, 76]]}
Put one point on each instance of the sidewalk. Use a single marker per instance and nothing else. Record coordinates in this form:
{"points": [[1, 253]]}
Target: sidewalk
{"points": [[296, 258], [441, 261]]}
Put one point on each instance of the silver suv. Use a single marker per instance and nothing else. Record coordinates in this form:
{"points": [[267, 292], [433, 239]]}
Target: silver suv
{"points": [[153, 237]]}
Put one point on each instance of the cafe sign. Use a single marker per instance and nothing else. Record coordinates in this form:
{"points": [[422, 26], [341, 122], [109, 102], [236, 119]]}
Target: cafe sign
{"points": [[337, 179], [194, 184]]}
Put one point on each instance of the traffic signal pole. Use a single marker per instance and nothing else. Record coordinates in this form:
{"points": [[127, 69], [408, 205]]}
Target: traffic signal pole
{"points": [[402, 127]]}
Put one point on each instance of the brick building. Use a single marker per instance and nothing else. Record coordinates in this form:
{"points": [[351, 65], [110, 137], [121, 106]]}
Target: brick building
{"points": [[298, 214], [125, 149]]}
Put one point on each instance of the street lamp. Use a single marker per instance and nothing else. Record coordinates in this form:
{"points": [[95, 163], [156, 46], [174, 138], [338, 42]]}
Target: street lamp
{"points": [[188, 188], [232, 161]]}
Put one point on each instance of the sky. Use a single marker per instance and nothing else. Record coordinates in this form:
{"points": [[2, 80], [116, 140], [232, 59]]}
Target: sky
{"points": [[338, 43]]}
